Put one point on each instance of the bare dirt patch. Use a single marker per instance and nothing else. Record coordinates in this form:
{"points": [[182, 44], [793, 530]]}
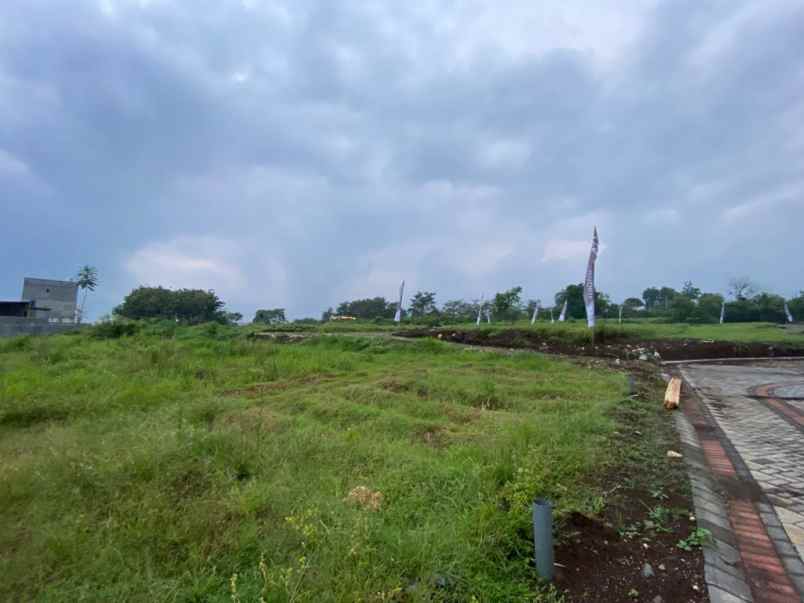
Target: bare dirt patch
{"points": [[600, 563], [256, 418], [625, 349], [256, 390]]}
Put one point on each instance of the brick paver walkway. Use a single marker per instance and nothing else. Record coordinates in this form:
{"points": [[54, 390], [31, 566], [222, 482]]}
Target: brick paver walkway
{"points": [[750, 432]]}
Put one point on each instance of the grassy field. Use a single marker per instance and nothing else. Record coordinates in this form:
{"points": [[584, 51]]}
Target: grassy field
{"points": [[742, 332], [764, 332], [208, 467]]}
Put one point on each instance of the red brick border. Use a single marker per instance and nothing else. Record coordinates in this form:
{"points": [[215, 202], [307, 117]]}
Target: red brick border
{"points": [[789, 412], [767, 577]]}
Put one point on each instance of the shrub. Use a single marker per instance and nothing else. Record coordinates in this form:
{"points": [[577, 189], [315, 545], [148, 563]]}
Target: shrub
{"points": [[114, 329]]}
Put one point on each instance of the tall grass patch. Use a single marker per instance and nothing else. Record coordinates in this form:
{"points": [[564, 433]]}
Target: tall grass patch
{"points": [[201, 466]]}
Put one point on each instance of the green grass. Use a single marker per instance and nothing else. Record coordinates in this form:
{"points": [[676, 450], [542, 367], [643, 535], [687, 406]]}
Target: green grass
{"points": [[209, 467], [576, 330]]}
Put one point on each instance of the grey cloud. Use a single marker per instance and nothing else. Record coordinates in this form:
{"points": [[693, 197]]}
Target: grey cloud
{"points": [[353, 143]]}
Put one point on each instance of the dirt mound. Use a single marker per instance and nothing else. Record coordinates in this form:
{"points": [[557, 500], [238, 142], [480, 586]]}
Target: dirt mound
{"points": [[610, 347]]}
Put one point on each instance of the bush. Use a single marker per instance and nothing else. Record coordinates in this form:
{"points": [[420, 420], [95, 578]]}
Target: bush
{"points": [[16, 344], [114, 329]]}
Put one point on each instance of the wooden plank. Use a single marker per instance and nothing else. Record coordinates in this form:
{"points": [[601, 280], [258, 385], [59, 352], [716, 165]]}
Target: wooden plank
{"points": [[672, 396]]}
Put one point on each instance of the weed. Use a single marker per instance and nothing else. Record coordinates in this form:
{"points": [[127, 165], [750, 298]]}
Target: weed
{"points": [[629, 532], [659, 518], [697, 538]]}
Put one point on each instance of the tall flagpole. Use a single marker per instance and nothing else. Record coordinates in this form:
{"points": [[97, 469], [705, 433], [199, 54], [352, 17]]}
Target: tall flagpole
{"points": [[589, 283], [535, 313], [398, 315]]}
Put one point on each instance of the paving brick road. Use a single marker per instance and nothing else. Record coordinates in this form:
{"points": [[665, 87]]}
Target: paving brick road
{"points": [[750, 435]]}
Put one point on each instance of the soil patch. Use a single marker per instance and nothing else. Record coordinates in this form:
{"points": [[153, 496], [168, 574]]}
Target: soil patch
{"points": [[625, 349], [597, 562]]}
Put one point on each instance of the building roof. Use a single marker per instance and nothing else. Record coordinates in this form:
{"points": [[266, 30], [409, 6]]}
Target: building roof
{"points": [[45, 282]]}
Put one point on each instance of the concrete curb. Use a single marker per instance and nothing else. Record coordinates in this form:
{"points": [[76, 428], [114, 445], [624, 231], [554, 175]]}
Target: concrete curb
{"points": [[733, 360], [723, 571]]}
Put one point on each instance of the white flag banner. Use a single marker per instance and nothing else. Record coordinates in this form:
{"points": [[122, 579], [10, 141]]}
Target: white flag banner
{"points": [[621, 314], [563, 316], [535, 313], [787, 312], [398, 315], [722, 311], [552, 320], [589, 283], [488, 315], [480, 310]]}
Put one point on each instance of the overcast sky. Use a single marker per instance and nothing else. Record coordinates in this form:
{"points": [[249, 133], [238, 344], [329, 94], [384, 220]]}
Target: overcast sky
{"points": [[296, 154]]}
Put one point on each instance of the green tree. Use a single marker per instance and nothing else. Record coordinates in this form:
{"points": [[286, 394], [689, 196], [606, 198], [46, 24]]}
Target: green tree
{"points": [[576, 307], [681, 308], [423, 304], [633, 303], [531, 306], [270, 317], [233, 317], [507, 305], [707, 310], [87, 280], [741, 288], [191, 306], [770, 307], [651, 296], [742, 310], [690, 291], [368, 309], [195, 306], [666, 296], [796, 306], [458, 310]]}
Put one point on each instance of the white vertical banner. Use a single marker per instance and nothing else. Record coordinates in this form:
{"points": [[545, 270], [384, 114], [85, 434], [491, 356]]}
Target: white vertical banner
{"points": [[398, 315], [589, 283], [535, 313], [552, 320], [787, 312], [621, 314], [563, 316], [722, 311], [480, 310]]}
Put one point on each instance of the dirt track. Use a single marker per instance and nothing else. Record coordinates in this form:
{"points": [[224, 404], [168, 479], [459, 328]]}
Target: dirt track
{"points": [[626, 349]]}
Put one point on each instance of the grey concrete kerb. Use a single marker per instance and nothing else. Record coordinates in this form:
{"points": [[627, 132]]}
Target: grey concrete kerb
{"points": [[725, 579]]}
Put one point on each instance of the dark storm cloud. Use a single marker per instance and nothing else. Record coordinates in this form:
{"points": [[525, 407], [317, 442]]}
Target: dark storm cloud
{"points": [[297, 154]]}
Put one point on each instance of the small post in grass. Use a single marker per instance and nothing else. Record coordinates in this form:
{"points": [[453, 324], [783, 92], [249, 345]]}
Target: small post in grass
{"points": [[543, 538]]}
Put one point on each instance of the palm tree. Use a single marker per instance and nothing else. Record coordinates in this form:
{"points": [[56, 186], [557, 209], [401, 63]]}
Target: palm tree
{"points": [[87, 279]]}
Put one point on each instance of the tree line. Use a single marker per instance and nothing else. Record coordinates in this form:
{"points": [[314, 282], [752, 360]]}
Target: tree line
{"points": [[687, 304]]}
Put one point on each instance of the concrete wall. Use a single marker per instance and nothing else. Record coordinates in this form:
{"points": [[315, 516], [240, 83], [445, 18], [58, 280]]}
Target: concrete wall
{"points": [[60, 296], [11, 326]]}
